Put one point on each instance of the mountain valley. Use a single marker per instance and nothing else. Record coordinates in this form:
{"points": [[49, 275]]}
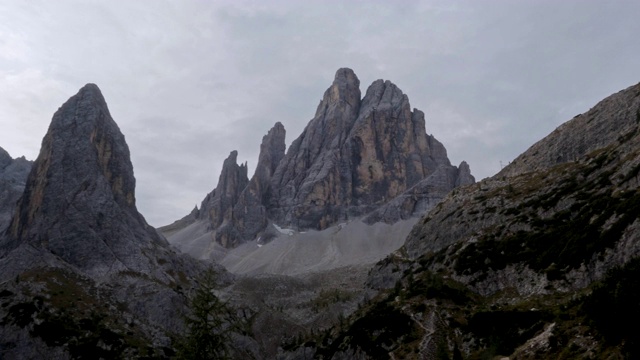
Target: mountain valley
{"points": [[358, 241]]}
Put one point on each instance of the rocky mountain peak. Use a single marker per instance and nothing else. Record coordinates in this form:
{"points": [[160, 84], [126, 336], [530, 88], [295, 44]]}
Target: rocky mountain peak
{"points": [[389, 145], [217, 207], [345, 88], [334, 117], [353, 157], [79, 198], [464, 175], [272, 150], [249, 213], [5, 158], [76, 228], [383, 94]]}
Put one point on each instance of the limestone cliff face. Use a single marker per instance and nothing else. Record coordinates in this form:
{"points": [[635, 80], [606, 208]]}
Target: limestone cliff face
{"points": [[13, 176], [250, 213], [79, 198], [373, 151], [356, 155], [309, 180], [217, 206], [77, 243]]}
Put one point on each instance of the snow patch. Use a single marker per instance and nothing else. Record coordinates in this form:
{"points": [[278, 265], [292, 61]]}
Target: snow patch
{"points": [[289, 232]]}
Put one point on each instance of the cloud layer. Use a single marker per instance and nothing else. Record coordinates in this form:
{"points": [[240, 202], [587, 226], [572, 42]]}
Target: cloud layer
{"points": [[189, 81]]}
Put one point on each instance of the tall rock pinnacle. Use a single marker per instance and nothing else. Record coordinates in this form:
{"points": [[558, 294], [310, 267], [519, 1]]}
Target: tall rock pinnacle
{"points": [[308, 177], [79, 198], [389, 145], [76, 228], [250, 213], [355, 156], [271, 153], [217, 207], [325, 132]]}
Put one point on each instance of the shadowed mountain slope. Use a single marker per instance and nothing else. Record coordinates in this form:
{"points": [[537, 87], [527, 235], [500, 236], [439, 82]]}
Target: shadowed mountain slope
{"points": [[538, 261], [79, 266]]}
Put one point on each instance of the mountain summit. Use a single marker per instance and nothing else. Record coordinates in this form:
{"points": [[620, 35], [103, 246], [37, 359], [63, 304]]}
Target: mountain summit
{"points": [[79, 199], [77, 251], [357, 156]]}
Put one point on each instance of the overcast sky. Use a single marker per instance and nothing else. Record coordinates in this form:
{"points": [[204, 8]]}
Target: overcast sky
{"points": [[190, 81]]}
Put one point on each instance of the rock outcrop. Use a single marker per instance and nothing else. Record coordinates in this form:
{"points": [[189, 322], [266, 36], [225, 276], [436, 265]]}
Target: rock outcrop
{"points": [[307, 183], [357, 156], [250, 213], [599, 127], [77, 251], [544, 251], [464, 176], [79, 198], [217, 206], [13, 176], [354, 156]]}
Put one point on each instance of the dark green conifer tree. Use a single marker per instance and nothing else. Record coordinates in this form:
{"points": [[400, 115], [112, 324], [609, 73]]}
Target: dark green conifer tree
{"points": [[209, 324]]}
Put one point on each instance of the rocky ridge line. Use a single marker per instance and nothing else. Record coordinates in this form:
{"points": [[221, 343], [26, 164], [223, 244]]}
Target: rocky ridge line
{"points": [[357, 156]]}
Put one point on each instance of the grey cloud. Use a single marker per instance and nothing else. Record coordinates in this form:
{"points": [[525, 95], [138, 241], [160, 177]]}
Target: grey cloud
{"points": [[190, 81]]}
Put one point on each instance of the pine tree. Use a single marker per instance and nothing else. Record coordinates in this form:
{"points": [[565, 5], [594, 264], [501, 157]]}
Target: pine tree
{"points": [[208, 324]]}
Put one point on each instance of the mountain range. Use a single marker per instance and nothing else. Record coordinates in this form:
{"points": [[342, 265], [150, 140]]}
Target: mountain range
{"points": [[366, 158], [359, 241]]}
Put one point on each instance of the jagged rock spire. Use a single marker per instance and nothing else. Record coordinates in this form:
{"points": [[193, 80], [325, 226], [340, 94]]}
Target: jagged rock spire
{"points": [[249, 213], [217, 207], [79, 199], [355, 155], [464, 175], [272, 150]]}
